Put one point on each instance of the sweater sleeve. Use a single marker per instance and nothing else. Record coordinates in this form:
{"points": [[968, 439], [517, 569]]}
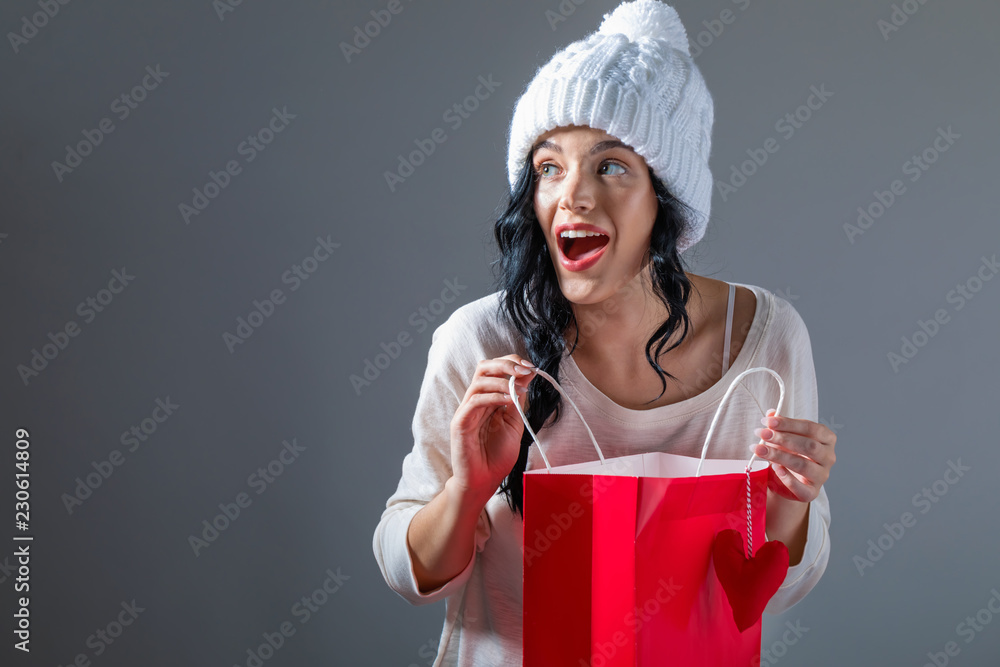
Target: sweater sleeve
{"points": [[802, 402], [451, 363]]}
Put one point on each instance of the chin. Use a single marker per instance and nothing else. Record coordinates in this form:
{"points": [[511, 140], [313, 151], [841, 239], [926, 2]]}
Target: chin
{"points": [[584, 291]]}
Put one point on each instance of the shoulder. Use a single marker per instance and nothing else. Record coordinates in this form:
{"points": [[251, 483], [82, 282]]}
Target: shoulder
{"points": [[779, 318], [477, 330], [779, 333], [788, 321], [785, 340], [479, 322], [785, 348]]}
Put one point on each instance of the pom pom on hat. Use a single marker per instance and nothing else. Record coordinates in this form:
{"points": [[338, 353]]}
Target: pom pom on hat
{"points": [[647, 19]]}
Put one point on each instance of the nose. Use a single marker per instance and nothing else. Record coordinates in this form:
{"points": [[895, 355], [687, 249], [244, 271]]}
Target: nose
{"points": [[577, 192]]}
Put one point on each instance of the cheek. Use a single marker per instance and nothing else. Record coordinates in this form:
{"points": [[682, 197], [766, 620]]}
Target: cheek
{"points": [[635, 225], [543, 201], [638, 213], [544, 210], [644, 211]]}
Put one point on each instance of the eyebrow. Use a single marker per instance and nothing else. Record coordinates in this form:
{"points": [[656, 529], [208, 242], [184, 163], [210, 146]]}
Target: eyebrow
{"points": [[597, 148]]}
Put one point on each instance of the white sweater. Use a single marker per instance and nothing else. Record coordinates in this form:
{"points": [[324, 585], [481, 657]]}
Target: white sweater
{"points": [[483, 602]]}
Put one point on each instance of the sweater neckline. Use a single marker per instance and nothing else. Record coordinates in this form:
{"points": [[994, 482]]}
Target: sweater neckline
{"points": [[711, 396]]}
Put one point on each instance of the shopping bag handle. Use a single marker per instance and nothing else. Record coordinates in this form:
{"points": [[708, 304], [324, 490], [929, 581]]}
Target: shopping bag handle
{"points": [[600, 454], [517, 404], [718, 411]]}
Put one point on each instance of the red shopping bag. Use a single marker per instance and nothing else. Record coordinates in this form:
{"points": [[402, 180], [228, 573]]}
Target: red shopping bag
{"points": [[645, 560]]}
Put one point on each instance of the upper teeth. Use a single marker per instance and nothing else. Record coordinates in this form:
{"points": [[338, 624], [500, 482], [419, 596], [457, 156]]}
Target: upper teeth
{"points": [[576, 233]]}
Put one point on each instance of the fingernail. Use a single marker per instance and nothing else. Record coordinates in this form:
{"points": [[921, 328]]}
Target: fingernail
{"points": [[769, 421], [521, 370], [527, 363], [764, 433]]}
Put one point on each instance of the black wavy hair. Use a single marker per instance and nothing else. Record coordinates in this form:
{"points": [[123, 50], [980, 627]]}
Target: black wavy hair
{"points": [[533, 303]]}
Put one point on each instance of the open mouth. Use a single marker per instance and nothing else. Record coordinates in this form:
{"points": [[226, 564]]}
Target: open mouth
{"points": [[581, 247]]}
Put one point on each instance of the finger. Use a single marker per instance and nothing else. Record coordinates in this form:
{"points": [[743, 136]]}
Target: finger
{"points": [[475, 411], [810, 470], [805, 427], [802, 445], [524, 361], [800, 488], [488, 384], [805, 481], [795, 444], [518, 359], [503, 367], [502, 383], [498, 368], [487, 400], [509, 413], [521, 378], [498, 385]]}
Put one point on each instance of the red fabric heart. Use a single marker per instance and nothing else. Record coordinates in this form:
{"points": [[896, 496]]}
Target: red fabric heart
{"points": [[749, 583]]}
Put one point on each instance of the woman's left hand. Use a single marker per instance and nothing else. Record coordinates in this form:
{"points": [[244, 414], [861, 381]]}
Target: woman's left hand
{"points": [[801, 453]]}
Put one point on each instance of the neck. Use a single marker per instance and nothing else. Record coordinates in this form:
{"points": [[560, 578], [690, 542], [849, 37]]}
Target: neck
{"points": [[617, 329]]}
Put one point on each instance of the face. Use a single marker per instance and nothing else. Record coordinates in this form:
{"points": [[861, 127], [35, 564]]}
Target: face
{"points": [[587, 179]]}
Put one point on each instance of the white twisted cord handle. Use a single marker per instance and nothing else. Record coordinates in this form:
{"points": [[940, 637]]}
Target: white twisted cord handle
{"points": [[718, 411], [517, 404], [704, 449], [711, 429]]}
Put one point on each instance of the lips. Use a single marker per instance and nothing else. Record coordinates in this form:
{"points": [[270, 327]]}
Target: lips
{"points": [[580, 248], [581, 253]]}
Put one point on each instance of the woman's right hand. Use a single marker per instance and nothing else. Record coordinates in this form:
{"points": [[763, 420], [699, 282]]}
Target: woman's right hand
{"points": [[486, 429]]}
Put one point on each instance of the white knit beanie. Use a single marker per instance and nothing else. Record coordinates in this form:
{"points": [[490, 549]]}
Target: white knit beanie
{"points": [[635, 79]]}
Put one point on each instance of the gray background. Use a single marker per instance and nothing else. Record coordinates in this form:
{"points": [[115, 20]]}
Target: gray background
{"points": [[323, 176]]}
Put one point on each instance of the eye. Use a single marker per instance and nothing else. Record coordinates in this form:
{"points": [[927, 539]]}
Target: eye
{"points": [[617, 165], [540, 169]]}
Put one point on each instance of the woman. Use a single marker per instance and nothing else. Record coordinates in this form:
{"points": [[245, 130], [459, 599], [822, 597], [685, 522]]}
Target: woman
{"points": [[608, 167]]}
